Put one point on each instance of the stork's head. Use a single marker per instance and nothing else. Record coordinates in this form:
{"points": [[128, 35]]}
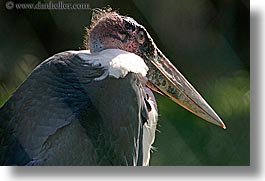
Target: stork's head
{"points": [[109, 30], [116, 31]]}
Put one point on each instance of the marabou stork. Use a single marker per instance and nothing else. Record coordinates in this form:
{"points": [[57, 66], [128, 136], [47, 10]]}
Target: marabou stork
{"points": [[95, 106]]}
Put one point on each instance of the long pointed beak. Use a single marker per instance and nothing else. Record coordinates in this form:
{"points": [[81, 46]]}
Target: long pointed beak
{"points": [[164, 78]]}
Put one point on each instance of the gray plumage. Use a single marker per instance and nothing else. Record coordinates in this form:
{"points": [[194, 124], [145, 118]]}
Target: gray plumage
{"points": [[61, 116]]}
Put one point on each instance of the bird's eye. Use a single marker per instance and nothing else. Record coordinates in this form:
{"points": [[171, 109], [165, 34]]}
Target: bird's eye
{"points": [[140, 37]]}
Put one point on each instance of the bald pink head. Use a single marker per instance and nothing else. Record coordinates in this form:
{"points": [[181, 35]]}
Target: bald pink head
{"points": [[112, 30]]}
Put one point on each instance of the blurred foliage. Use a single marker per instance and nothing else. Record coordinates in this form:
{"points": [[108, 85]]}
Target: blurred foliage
{"points": [[194, 142], [207, 40]]}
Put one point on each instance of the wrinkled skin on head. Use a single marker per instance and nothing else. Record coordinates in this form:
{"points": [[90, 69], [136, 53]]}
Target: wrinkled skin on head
{"points": [[121, 32]]}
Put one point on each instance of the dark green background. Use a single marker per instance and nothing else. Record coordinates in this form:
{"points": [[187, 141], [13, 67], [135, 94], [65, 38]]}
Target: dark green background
{"points": [[207, 40]]}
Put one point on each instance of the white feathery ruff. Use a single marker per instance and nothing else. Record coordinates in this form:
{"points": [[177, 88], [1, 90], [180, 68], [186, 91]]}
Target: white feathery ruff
{"points": [[118, 63]]}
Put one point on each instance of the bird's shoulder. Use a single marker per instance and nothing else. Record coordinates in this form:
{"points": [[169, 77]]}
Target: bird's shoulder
{"points": [[64, 93]]}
